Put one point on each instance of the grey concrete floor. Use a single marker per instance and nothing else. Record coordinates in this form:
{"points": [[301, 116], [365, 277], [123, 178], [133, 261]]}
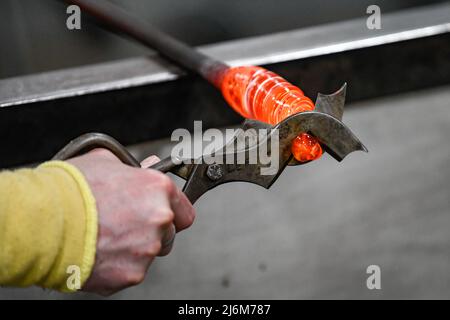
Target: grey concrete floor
{"points": [[315, 232]]}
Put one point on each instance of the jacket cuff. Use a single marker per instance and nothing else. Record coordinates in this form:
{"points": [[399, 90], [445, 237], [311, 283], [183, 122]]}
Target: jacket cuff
{"points": [[91, 221]]}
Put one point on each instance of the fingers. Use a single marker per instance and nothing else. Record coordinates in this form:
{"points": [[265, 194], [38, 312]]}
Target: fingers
{"points": [[139, 211], [167, 240], [184, 212]]}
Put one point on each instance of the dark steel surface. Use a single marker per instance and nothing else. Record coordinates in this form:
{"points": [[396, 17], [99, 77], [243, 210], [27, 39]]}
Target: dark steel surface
{"points": [[332, 104]]}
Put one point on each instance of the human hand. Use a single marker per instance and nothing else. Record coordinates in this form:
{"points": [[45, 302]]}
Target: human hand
{"points": [[139, 211]]}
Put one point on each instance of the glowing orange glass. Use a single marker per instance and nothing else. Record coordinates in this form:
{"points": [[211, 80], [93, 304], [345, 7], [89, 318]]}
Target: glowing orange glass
{"points": [[257, 93]]}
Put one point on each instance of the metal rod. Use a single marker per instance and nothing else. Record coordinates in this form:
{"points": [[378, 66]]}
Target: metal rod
{"points": [[120, 21]]}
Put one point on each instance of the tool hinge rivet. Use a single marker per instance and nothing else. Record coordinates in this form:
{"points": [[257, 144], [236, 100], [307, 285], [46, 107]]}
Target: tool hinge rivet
{"points": [[214, 172]]}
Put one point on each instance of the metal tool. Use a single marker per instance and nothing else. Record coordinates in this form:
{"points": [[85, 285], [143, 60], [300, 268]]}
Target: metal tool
{"points": [[203, 175]]}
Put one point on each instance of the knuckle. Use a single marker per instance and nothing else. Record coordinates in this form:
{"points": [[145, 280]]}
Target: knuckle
{"points": [[162, 181], [162, 217], [166, 183], [134, 278], [154, 249], [149, 176]]}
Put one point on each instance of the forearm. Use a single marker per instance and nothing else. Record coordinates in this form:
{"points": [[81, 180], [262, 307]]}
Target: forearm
{"points": [[48, 222]]}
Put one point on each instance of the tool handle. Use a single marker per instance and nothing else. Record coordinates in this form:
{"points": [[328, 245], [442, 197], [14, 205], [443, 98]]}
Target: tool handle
{"points": [[165, 165], [94, 140], [118, 20]]}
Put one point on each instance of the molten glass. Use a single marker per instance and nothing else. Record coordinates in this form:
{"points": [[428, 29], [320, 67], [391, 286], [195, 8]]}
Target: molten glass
{"points": [[306, 148], [257, 93]]}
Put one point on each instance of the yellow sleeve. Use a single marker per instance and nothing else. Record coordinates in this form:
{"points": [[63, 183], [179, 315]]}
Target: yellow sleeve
{"points": [[48, 222]]}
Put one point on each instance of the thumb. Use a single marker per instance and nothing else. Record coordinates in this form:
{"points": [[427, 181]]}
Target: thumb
{"points": [[148, 162]]}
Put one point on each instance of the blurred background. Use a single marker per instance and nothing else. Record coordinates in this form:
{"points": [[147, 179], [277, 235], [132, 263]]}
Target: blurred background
{"points": [[34, 40], [314, 233]]}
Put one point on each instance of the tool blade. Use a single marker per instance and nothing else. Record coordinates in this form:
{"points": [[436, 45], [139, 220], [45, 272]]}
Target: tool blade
{"points": [[332, 104]]}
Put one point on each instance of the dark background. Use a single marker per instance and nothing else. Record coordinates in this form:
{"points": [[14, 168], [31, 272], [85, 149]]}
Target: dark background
{"points": [[35, 39]]}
